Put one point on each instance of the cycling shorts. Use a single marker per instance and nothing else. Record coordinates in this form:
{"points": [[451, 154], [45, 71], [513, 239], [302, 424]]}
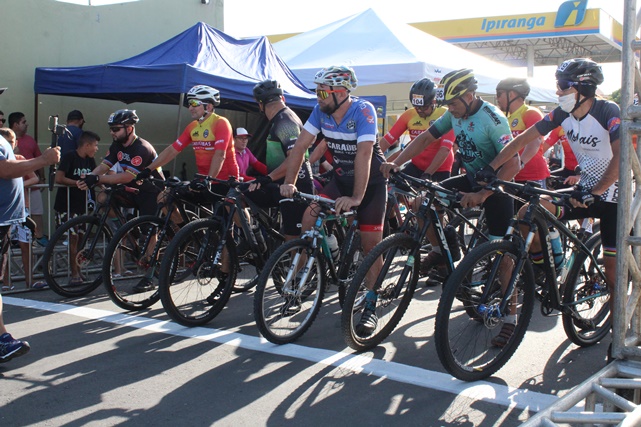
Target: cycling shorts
{"points": [[371, 212], [607, 213]]}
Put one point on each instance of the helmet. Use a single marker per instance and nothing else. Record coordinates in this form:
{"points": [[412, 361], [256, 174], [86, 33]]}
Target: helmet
{"points": [[581, 70], [422, 92], [516, 84], [123, 117], [205, 94], [267, 91], [341, 75], [456, 84]]}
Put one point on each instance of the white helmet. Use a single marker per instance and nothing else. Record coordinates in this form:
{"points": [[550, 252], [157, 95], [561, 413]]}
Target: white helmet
{"points": [[205, 94]]}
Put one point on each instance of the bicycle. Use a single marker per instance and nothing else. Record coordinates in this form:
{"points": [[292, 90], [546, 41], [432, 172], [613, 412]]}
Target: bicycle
{"points": [[140, 244], [192, 285], [82, 240], [474, 305], [396, 282], [293, 283]]}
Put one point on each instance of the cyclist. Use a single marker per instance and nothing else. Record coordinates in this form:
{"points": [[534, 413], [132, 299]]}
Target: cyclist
{"points": [[436, 161], [348, 125], [569, 171], [592, 127], [211, 137], [284, 129], [481, 132]]}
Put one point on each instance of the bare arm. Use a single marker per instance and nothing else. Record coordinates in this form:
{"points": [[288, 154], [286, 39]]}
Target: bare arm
{"points": [[438, 160], [318, 152], [415, 147], [165, 156], [216, 163], [531, 150], [611, 174], [10, 169], [62, 179], [514, 146], [297, 154]]}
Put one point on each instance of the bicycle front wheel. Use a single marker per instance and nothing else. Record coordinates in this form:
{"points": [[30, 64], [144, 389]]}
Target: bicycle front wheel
{"points": [[473, 338], [398, 276], [73, 257], [192, 285], [289, 292], [587, 298], [132, 261]]}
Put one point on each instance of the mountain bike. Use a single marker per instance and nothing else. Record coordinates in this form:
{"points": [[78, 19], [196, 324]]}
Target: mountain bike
{"points": [[200, 266], [396, 281], [80, 243], [293, 283], [496, 280], [140, 244]]}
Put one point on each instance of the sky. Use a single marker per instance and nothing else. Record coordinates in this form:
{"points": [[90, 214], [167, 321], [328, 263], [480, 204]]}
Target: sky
{"points": [[250, 18]]}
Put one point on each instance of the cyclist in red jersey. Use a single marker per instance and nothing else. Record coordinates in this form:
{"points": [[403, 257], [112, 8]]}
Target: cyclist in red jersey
{"points": [[557, 136], [435, 162]]}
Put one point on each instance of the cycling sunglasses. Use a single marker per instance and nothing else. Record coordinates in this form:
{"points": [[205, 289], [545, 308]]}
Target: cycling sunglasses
{"points": [[323, 94], [565, 84], [115, 129], [195, 102]]}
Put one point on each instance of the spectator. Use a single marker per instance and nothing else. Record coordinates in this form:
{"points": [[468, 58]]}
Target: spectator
{"points": [[28, 147], [12, 212], [244, 157], [69, 141], [2, 119], [73, 166], [21, 232]]}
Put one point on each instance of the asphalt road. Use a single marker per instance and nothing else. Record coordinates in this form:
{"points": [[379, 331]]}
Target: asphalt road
{"points": [[93, 364]]}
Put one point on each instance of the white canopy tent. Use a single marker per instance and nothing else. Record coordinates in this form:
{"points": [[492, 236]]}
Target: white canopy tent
{"points": [[384, 52]]}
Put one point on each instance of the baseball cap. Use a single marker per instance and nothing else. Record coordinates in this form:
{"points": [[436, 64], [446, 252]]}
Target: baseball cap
{"points": [[242, 132], [75, 115]]}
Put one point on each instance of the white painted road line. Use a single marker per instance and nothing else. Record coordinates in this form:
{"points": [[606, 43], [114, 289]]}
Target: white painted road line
{"points": [[358, 363]]}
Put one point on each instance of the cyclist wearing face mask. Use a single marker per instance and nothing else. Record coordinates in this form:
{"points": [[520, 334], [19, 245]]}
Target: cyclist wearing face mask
{"points": [[133, 154], [592, 128]]}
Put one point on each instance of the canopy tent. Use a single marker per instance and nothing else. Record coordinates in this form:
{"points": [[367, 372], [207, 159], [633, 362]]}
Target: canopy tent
{"points": [[383, 52], [199, 55]]}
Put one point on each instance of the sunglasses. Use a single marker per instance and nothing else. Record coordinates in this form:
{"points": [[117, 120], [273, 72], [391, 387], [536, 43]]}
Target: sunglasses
{"points": [[323, 94], [565, 84], [3, 121], [114, 129], [195, 102]]}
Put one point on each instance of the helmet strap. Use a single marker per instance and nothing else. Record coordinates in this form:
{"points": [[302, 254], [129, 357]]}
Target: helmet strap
{"points": [[337, 104]]}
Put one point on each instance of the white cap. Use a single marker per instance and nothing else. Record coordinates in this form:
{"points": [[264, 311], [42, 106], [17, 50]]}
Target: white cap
{"points": [[242, 132]]}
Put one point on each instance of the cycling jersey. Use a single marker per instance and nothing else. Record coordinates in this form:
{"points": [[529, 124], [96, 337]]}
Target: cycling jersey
{"points": [[537, 168], [213, 133], [413, 123], [285, 127], [133, 159], [569, 159], [590, 138], [479, 137], [358, 125]]}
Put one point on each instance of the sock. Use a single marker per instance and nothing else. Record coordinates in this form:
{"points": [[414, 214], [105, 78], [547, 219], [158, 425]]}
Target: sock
{"points": [[537, 258], [510, 319]]}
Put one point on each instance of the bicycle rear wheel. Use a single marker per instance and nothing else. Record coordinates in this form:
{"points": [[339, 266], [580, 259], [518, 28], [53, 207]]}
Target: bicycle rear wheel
{"points": [[397, 277], [289, 292], [192, 287], [588, 297], [468, 319], [78, 243], [129, 270]]}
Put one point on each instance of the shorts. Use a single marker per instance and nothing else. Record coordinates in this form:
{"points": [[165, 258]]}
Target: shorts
{"points": [[145, 201], [35, 201], [499, 208], [371, 212], [20, 232], [607, 213], [205, 199], [291, 212]]}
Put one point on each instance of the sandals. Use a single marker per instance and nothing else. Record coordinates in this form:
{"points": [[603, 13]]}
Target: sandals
{"points": [[504, 336]]}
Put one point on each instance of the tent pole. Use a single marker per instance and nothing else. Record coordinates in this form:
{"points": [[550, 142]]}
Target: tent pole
{"points": [[35, 122], [178, 127]]}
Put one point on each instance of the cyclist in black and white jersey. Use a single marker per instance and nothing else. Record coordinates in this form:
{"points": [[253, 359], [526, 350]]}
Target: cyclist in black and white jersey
{"points": [[592, 128]]}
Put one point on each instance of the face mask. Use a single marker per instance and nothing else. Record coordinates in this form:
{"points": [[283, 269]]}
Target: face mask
{"points": [[567, 102]]}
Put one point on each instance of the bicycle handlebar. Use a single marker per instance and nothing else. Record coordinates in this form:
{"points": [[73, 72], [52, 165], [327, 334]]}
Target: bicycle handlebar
{"points": [[401, 179], [323, 201], [530, 189]]}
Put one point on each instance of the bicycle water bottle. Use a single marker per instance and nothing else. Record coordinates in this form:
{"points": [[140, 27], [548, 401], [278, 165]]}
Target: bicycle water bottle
{"points": [[260, 239], [557, 246], [332, 243]]}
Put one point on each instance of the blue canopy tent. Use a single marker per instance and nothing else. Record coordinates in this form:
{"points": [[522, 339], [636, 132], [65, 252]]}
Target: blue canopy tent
{"points": [[199, 55]]}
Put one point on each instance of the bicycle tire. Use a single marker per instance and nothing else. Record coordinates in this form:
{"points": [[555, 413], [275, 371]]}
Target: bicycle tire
{"points": [[351, 257], [188, 275], [126, 248], [590, 320], [58, 256], [464, 332], [389, 308], [285, 309]]}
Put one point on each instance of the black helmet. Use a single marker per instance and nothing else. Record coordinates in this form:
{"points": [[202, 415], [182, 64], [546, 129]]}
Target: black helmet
{"points": [[267, 91], [422, 92], [123, 117], [206, 94], [456, 84], [580, 70], [516, 84]]}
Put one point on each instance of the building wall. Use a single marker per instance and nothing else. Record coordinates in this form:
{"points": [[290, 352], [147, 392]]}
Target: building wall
{"points": [[48, 33]]}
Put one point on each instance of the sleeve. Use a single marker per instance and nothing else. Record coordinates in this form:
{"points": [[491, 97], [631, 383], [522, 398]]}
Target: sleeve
{"points": [[551, 121], [184, 139], [441, 126], [366, 123], [287, 132], [4, 155], [448, 139], [223, 132], [65, 163], [500, 134], [36, 149], [553, 137], [111, 157], [398, 128], [312, 125], [532, 116], [614, 120]]}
